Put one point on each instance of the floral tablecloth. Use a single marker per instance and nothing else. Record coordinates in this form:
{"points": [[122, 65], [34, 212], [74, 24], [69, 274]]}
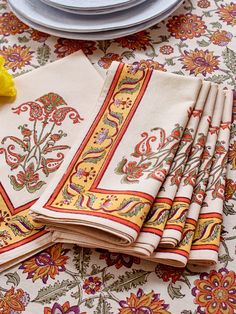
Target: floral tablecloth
{"points": [[199, 39]]}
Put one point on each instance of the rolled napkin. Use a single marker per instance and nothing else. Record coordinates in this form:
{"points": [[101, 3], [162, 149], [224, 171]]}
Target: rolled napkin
{"points": [[179, 255], [36, 132], [206, 241], [177, 214], [108, 182]]}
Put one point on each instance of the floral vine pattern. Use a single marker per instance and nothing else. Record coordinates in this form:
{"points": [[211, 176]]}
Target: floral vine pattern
{"points": [[197, 40], [153, 152], [39, 140], [76, 192]]}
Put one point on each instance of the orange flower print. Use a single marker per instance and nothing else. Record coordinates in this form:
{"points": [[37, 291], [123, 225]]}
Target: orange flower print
{"points": [[26, 132], [149, 64], [10, 25], [14, 301], [63, 309], [227, 13], [186, 26], [46, 264], [138, 41], [187, 136], [198, 196], [205, 154], [215, 292], [118, 259], [16, 56], [177, 133], [232, 155], [219, 191], [65, 47], [201, 141], [219, 149], [158, 174], [203, 4], [92, 285], [39, 36], [143, 303], [106, 60], [199, 61], [230, 189], [221, 38], [132, 170], [166, 50], [167, 273], [28, 178]]}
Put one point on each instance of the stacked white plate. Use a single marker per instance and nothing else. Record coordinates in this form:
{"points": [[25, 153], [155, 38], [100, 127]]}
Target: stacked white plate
{"points": [[92, 19]]}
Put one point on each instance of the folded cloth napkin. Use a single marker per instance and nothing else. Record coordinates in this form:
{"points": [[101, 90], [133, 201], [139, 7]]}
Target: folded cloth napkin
{"points": [[36, 132], [98, 192], [172, 256], [145, 174], [153, 226], [206, 241], [177, 215], [178, 256], [211, 103]]}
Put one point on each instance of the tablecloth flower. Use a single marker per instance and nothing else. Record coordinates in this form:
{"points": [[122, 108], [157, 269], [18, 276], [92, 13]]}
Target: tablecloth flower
{"points": [[46, 264], [216, 292]]}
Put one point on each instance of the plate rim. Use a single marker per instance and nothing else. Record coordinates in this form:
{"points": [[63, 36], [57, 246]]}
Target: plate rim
{"points": [[95, 11], [83, 29], [60, 3], [80, 35]]}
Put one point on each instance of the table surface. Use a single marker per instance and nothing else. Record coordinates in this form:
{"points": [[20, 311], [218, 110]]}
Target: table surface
{"points": [[199, 39]]}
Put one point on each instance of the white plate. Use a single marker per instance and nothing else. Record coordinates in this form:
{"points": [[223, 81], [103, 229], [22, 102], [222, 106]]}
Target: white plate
{"points": [[42, 14], [108, 10], [89, 4], [98, 35]]}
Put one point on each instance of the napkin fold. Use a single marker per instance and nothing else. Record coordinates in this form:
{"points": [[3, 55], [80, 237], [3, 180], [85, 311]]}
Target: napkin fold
{"points": [[153, 227], [136, 164], [154, 224], [206, 241], [36, 132], [177, 214], [106, 186], [217, 104], [179, 256]]}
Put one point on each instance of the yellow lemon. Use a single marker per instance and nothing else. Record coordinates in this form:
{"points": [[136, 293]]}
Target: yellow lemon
{"points": [[7, 86]]}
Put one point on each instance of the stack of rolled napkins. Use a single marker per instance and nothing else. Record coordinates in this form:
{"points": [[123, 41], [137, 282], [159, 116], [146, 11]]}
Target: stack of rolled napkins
{"points": [[145, 174]]}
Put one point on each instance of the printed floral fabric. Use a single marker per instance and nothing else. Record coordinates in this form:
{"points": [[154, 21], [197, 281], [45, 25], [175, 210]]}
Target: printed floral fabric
{"points": [[198, 39], [89, 191], [37, 129]]}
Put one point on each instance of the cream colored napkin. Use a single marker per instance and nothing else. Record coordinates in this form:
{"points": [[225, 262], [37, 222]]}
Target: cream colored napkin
{"points": [[153, 227], [206, 241], [37, 128], [109, 180], [177, 215], [179, 255]]}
